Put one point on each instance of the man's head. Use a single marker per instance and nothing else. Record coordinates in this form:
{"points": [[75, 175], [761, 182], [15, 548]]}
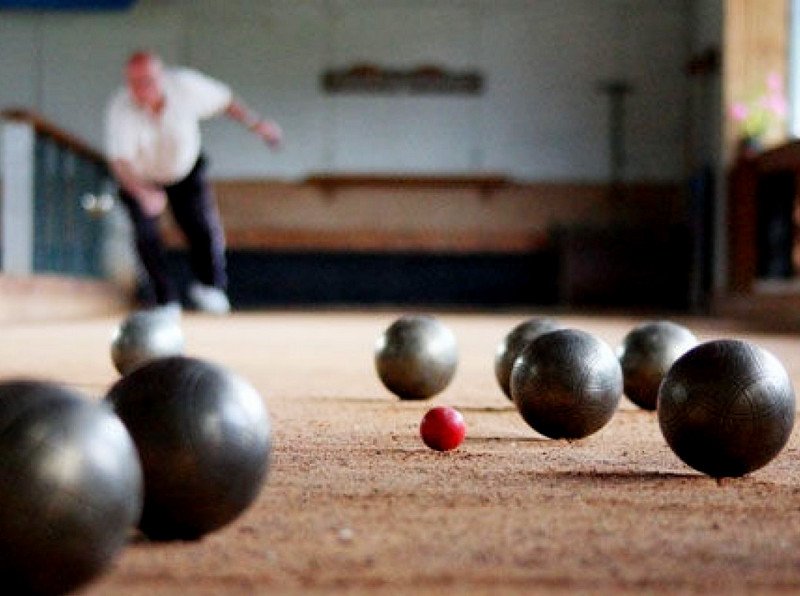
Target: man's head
{"points": [[144, 76]]}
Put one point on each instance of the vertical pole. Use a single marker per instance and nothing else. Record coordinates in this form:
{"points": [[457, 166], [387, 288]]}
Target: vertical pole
{"points": [[16, 240], [793, 82], [617, 135], [617, 91]]}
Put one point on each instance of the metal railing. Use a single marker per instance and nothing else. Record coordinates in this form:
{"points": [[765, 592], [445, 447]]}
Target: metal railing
{"points": [[56, 191]]}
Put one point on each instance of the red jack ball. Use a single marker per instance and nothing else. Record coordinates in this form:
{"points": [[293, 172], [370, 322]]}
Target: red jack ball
{"points": [[443, 428]]}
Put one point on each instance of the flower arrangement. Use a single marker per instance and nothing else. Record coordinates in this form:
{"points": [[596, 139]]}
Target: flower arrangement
{"points": [[764, 115]]}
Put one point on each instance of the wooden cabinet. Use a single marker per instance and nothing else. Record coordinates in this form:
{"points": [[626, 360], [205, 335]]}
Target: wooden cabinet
{"points": [[762, 192]]}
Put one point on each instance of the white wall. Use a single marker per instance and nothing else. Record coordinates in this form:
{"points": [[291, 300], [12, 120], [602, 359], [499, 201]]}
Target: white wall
{"points": [[540, 116]]}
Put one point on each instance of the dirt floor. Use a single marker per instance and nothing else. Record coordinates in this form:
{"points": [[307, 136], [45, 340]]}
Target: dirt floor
{"points": [[356, 504]]}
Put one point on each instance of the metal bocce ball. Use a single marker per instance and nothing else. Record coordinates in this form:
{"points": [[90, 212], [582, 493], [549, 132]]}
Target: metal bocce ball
{"points": [[203, 435], [646, 354], [70, 488], [726, 408], [416, 357], [144, 336], [511, 345], [566, 384]]}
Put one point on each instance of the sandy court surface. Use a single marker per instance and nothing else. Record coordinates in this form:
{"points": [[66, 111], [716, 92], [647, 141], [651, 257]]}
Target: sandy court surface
{"points": [[356, 504]]}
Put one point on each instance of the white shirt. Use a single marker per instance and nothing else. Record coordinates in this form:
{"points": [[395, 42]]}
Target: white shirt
{"points": [[163, 148]]}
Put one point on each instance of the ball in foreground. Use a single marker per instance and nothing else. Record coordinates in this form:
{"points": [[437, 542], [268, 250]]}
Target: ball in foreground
{"points": [[726, 408], [443, 428], [509, 348], [70, 488], [646, 354], [416, 357], [143, 336], [203, 435], [566, 384]]}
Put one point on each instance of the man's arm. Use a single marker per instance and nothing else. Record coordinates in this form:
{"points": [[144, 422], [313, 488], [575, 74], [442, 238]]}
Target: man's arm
{"points": [[268, 130], [151, 198]]}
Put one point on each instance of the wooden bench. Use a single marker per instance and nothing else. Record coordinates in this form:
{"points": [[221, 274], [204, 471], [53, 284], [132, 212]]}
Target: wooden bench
{"points": [[255, 231], [373, 241]]}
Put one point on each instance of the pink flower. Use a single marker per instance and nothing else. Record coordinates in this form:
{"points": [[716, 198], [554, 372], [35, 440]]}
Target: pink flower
{"points": [[775, 82], [739, 111], [763, 113], [776, 104]]}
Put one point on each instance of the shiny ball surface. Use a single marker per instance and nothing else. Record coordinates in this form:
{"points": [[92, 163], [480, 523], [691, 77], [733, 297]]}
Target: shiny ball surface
{"points": [[416, 357], [566, 384], [646, 354], [70, 488], [511, 345], [143, 336], [726, 408], [203, 434]]}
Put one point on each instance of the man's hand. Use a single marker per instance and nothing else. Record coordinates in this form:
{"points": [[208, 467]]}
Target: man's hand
{"points": [[153, 201], [269, 131]]}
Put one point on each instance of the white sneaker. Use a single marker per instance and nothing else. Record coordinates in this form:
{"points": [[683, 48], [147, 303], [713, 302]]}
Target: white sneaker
{"points": [[171, 310], [209, 299]]}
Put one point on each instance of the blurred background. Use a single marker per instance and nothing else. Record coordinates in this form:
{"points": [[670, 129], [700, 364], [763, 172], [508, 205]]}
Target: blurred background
{"points": [[560, 153]]}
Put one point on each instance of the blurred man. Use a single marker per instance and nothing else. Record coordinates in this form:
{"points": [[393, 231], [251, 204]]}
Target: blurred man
{"points": [[154, 151]]}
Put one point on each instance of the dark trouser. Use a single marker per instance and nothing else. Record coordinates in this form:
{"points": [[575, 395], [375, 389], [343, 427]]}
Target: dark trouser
{"points": [[195, 212]]}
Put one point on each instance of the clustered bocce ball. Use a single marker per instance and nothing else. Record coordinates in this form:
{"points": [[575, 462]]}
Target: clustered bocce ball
{"points": [[566, 384], [511, 345], [203, 436], [416, 357], [646, 354], [726, 408], [143, 336], [443, 428], [70, 488]]}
